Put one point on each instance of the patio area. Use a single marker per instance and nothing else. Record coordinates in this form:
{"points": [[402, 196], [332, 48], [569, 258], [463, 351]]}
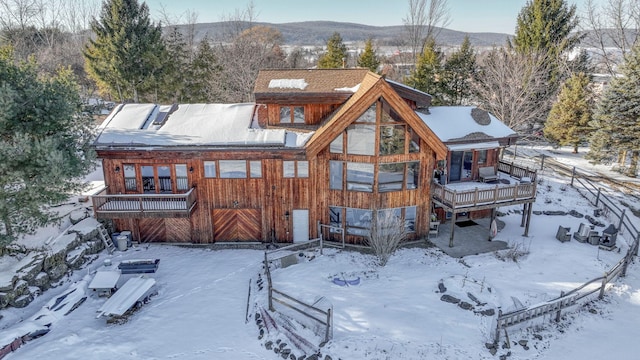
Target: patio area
{"points": [[471, 238]]}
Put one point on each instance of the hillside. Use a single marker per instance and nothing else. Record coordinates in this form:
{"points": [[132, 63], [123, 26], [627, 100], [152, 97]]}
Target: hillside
{"points": [[317, 32]]}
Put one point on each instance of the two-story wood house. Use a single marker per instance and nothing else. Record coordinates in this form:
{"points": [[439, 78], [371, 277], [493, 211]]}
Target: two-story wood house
{"points": [[325, 146]]}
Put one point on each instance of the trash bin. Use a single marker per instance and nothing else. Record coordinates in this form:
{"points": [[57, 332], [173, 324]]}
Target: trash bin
{"points": [[122, 242], [128, 235], [114, 237]]}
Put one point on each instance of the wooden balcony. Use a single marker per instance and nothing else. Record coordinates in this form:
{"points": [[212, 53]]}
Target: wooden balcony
{"points": [[516, 185], [118, 206]]}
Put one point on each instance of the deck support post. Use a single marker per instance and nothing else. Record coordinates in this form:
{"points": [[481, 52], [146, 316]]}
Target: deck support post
{"points": [[524, 214], [453, 225], [529, 210]]}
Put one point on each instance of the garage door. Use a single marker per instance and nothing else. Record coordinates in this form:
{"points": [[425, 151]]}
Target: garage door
{"points": [[237, 225]]}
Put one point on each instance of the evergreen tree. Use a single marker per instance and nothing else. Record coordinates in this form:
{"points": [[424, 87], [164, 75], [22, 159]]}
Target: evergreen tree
{"points": [[44, 145], [336, 55], [368, 59], [618, 114], [546, 26], [203, 83], [425, 77], [568, 121], [126, 56], [176, 66], [458, 72]]}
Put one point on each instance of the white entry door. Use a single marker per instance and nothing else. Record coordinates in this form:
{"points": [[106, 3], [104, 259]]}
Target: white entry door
{"points": [[300, 225]]}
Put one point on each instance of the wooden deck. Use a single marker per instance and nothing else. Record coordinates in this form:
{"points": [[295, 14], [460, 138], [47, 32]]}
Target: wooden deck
{"points": [[115, 206], [469, 196]]}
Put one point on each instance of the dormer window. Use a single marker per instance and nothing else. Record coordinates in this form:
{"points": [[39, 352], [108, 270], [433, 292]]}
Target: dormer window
{"points": [[292, 114]]}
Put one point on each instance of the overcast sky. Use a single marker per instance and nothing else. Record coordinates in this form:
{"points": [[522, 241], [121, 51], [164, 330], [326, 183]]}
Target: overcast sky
{"points": [[466, 15]]}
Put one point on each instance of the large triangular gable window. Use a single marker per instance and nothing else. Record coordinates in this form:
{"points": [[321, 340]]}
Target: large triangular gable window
{"points": [[379, 127], [379, 133]]}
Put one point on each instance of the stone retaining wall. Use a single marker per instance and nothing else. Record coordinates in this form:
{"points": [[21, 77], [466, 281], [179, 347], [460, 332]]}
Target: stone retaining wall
{"points": [[34, 271]]}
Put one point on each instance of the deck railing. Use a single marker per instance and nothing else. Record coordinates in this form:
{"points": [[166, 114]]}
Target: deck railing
{"points": [[143, 203], [517, 171], [483, 196]]}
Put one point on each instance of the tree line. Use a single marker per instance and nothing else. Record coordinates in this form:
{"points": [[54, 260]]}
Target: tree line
{"points": [[57, 53]]}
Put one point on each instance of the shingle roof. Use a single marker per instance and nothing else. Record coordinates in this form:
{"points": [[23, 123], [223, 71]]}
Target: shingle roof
{"points": [[309, 81]]}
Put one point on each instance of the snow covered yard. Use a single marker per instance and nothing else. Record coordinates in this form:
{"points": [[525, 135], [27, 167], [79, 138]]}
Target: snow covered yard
{"points": [[395, 312]]}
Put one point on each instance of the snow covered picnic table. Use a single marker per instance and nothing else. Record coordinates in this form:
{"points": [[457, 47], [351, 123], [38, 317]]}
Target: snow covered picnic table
{"points": [[104, 282], [135, 290]]}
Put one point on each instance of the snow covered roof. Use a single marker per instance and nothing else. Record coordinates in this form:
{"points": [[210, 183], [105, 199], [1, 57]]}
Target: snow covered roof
{"points": [[455, 124], [134, 125], [309, 81]]}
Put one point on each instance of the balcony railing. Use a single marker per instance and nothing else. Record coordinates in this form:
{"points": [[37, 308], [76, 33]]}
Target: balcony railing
{"points": [[483, 196], [143, 205], [517, 171]]}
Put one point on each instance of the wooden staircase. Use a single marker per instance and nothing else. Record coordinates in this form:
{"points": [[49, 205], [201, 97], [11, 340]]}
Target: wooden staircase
{"points": [[106, 239]]}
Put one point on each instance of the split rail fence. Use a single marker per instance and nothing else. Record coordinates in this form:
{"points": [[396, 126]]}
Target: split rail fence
{"points": [[280, 257], [580, 181]]}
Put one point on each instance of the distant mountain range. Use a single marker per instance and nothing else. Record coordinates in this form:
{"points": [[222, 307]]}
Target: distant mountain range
{"points": [[316, 33]]}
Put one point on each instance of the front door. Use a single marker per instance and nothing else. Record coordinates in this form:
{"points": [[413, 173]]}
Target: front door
{"points": [[300, 225]]}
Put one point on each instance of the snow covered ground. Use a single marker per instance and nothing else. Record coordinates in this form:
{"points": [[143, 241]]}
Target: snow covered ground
{"points": [[394, 313]]}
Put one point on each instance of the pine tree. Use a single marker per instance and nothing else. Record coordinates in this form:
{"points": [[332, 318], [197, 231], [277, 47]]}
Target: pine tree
{"points": [[176, 65], [458, 72], [425, 77], [568, 121], [203, 83], [618, 113], [336, 55], [126, 56], [546, 26], [44, 145], [368, 59]]}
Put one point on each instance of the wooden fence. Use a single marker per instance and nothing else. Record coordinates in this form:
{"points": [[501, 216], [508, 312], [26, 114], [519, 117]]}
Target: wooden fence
{"points": [[503, 194], [566, 300], [517, 171], [324, 318]]}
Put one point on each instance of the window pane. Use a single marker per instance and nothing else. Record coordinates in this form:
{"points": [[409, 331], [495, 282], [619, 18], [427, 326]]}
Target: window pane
{"points": [[335, 216], [369, 115], [414, 144], [255, 167], [360, 177], [410, 218], [148, 181], [336, 145], [361, 139], [298, 115], [390, 177], [335, 175], [358, 221], [164, 178], [233, 169], [390, 218], [130, 178], [289, 169], [181, 177], [285, 114], [413, 174], [482, 156], [303, 169], [388, 115], [391, 140], [210, 169]]}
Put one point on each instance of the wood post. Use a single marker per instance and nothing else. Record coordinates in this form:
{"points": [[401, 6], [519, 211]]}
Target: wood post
{"points": [[598, 196], [526, 228], [329, 325], [573, 175], [524, 214], [604, 284], [497, 334], [621, 219], [453, 225], [559, 312], [542, 162]]}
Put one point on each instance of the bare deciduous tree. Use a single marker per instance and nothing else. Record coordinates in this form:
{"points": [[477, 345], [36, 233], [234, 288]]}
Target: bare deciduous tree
{"points": [[386, 234], [424, 21], [614, 27], [512, 87]]}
